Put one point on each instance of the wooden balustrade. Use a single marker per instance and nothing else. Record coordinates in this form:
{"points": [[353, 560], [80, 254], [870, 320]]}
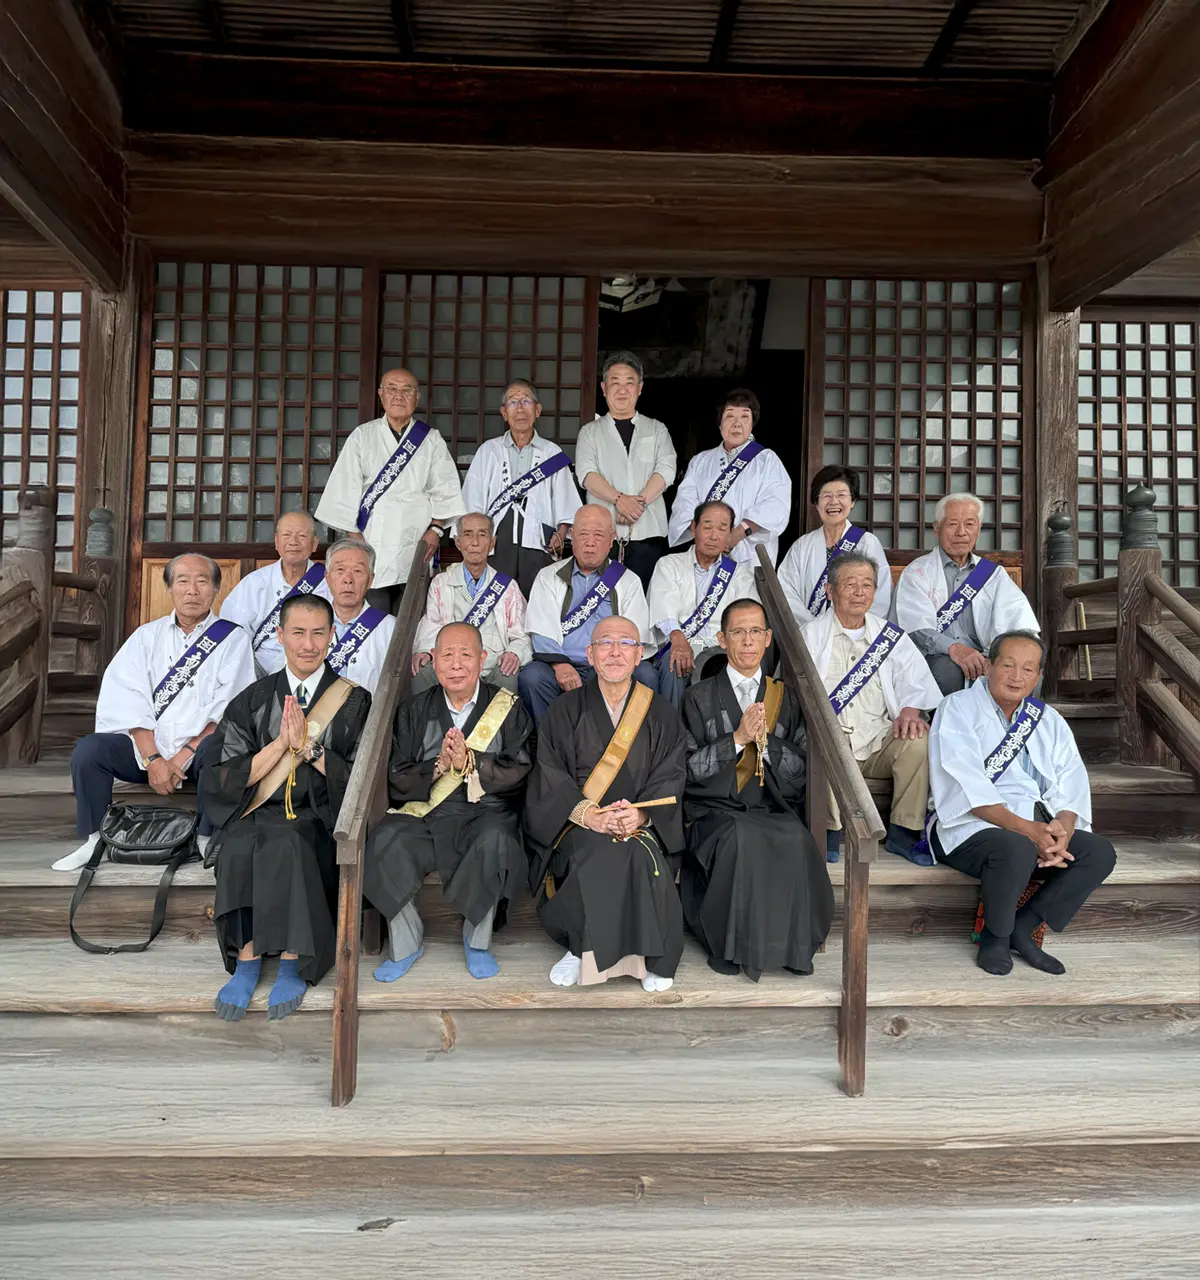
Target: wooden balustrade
{"points": [[364, 803], [831, 766]]}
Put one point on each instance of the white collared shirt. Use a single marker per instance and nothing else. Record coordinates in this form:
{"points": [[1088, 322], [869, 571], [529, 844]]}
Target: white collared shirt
{"points": [[651, 452], [745, 688], [461, 717], [310, 683], [250, 603]]}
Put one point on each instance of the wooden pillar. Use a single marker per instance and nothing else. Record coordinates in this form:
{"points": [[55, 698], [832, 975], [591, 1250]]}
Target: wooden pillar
{"points": [[1059, 570], [1139, 555], [1056, 419], [32, 560], [852, 1014], [345, 997]]}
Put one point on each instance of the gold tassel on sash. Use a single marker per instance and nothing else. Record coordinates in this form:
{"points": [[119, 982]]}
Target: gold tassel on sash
{"points": [[751, 762]]}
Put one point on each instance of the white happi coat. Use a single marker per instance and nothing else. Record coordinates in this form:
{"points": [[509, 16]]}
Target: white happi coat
{"points": [[553, 502], [1001, 606], [673, 598], [251, 602], [543, 617], [968, 728], [762, 492], [806, 560], [427, 489], [904, 677], [366, 666], [450, 601], [127, 689], [651, 452]]}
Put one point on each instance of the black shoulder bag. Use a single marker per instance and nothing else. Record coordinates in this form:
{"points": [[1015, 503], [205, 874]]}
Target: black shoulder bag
{"points": [[145, 835]]}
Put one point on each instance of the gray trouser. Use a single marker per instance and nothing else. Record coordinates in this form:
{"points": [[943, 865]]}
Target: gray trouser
{"points": [[425, 679], [406, 932]]}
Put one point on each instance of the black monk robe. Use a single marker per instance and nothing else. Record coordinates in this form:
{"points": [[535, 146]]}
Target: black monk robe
{"points": [[613, 898], [277, 877], [475, 847], [754, 886]]}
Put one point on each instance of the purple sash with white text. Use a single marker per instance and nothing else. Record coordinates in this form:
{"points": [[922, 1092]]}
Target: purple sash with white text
{"points": [[818, 601], [711, 601], [724, 482], [530, 480], [391, 471], [860, 675], [594, 598], [961, 599], [481, 610], [188, 663], [313, 577], [342, 653], [1015, 737]]}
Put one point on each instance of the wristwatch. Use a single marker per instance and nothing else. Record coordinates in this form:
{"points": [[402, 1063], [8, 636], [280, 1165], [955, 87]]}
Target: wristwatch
{"points": [[150, 759], [315, 752], [746, 528]]}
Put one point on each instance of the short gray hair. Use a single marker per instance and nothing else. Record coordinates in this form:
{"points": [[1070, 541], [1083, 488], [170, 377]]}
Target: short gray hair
{"points": [[939, 512], [626, 358], [352, 544], [521, 382], [312, 524], [994, 648], [847, 560], [481, 515], [214, 568]]}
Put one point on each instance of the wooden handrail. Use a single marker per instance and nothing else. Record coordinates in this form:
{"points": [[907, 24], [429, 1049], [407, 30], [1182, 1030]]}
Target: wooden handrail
{"points": [[1175, 658], [831, 766], [1097, 587], [1076, 639], [1186, 613], [365, 800], [75, 581], [1174, 724]]}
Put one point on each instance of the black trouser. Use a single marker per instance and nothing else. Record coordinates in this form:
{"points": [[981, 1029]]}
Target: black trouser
{"points": [[386, 598], [522, 563], [948, 674], [1004, 862], [98, 758], [641, 557]]}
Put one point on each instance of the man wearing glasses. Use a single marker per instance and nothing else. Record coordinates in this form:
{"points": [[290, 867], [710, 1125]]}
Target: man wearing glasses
{"points": [[524, 483], [395, 484]]}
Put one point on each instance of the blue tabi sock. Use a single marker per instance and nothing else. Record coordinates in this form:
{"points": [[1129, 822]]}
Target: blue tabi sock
{"points": [[287, 995], [480, 964], [833, 846], [234, 997], [390, 970], [908, 844]]}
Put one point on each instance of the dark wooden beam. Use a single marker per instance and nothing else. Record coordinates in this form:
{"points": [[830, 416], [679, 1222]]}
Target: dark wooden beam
{"points": [[221, 95], [60, 135], [1122, 172], [943, 46], [402, 25], [214, 20], [723, 34]]}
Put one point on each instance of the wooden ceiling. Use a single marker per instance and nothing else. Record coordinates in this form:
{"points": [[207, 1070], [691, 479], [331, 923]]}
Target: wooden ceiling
{"points": [[974, 38]]}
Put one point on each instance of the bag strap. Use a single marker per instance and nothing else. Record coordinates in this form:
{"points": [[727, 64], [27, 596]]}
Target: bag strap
{"points": [[159, 916]]}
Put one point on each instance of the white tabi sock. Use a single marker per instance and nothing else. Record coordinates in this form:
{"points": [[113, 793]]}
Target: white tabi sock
{"points": [[202, 844], [566, 972], [652, 982], [79, 857]]}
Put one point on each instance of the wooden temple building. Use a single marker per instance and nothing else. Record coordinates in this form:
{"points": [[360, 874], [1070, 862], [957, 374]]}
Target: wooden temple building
{"points": [[954, 244]]}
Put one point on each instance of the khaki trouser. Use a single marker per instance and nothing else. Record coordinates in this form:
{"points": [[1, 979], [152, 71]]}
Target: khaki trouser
{"points": [[906, 762]]}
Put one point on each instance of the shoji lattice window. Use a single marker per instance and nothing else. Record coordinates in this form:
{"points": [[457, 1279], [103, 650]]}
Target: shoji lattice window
{"points": [[254, 379], [1137, 424], [43, 355], [920, 390], [464, 337]]}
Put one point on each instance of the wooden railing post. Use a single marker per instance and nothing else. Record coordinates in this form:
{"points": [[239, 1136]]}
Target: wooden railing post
{"points": [[831, 767], [1060, 569], [95, 606], [1139, 555], [31, 559]]}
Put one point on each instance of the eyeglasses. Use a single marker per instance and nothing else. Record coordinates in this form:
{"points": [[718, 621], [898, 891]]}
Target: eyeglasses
{"points": [[740, 633], [523, 403], [623, 642], [400, 393]]}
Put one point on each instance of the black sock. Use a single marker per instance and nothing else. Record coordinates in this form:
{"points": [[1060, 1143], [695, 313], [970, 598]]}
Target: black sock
{"points": [[1029, 951], [993, 954], [717, 965]]}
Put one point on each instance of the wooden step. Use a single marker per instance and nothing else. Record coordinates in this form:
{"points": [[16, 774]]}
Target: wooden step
{"points": [[1087, 710]]}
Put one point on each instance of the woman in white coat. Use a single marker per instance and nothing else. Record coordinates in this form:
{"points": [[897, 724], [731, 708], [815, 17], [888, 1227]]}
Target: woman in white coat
{"points": [[834, 491]]}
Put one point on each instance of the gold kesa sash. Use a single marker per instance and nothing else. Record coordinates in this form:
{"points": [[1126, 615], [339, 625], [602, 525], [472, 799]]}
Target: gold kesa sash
{"points": [[747, 765], [479, 739], [319, 718]]}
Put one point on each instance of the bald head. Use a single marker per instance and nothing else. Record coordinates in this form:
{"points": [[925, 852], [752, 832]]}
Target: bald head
{"points": [[615, 626], [458, 633], [592, 536], [615, 650], [458, 657]]}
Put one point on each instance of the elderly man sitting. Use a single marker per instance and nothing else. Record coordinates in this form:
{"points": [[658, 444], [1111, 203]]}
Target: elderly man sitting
{"points": [[474, 592], [160, 700], [1013, 803], [954, 604], [878, 685], [566, 603], [254, 603], [361, 632]]}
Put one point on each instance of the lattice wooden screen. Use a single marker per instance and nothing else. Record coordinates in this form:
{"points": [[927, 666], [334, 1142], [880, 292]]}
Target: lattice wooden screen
{"points": [[1137, 423], [43, 355], [921, 390], [255, 378], [464, 337]]}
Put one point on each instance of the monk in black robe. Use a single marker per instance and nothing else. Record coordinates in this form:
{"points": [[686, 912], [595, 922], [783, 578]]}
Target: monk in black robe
{"points": [[277, 865], [754, 885], [601, 868], [465, 747]]}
